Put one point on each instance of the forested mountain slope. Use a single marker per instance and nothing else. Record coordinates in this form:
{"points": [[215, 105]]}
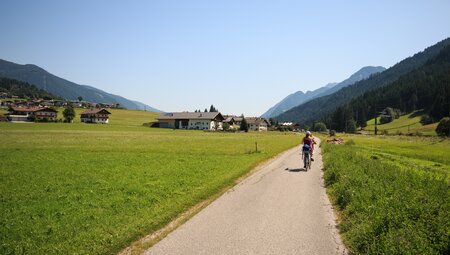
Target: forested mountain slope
{"points": [[319, 108]]}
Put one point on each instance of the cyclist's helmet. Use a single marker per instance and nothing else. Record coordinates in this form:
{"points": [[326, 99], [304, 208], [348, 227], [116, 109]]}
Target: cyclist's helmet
{"points": [[308, 132]]}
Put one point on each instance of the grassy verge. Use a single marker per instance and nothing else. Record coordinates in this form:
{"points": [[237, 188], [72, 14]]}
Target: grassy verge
{"points": [[94, 189], [393, 194]]}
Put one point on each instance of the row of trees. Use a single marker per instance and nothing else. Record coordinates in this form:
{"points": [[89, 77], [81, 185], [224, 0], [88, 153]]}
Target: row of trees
{"points": [[211, 109]]}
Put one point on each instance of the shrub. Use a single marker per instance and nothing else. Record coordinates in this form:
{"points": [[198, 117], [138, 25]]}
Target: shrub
{"points": [[385, 119], [443, 128], [332, 132], [426, 119], [319, 127]]}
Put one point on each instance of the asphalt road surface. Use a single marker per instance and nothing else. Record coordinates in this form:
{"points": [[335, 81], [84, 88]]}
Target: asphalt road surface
{"points": [[280, 209]]}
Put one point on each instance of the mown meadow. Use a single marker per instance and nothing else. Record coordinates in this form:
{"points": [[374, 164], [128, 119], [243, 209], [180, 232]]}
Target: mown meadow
{"points": [[392, 193], [94, 189], [406, 124]]}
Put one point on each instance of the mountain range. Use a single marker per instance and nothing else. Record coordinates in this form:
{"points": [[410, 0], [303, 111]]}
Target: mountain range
{"points": [[63, 88], [300, 97], [319, 108], [426, 88]]}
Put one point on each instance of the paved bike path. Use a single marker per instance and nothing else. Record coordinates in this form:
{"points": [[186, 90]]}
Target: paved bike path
{"points": [[281, 209]]}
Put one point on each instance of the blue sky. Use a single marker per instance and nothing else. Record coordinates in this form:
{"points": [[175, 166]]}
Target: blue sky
{"points": [[242, 56]]}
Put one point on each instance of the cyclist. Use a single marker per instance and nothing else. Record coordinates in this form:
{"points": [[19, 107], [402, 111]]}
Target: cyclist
{"points": [[308, 143]]}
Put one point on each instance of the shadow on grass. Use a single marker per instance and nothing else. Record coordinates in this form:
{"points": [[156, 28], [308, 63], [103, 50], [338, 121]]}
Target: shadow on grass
{"points": [[417, 113]]}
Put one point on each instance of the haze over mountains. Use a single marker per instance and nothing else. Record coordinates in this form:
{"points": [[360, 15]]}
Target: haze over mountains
{"points": [[320, 108], [63, 88], [300, 97]]}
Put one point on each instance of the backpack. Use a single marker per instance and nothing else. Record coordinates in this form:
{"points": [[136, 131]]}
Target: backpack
{"points": [[306, 147]]}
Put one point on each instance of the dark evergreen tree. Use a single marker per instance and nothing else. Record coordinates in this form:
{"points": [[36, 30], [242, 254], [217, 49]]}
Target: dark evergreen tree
{"points": [[244, 125]]}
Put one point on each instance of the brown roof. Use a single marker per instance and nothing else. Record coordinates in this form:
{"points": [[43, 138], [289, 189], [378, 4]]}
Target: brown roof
{"points": [[96, 111], [190, 115], [255, 120], [229, 119], [32, 109]]}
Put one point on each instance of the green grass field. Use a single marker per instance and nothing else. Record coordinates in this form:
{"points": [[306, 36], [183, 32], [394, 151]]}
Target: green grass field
{"points": [[406, 124], [393, 193], [94, 189]]}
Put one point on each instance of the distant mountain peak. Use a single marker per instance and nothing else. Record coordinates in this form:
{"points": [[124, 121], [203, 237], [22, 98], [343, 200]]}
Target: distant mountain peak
{"points": [[300, 97], [323, 105]]}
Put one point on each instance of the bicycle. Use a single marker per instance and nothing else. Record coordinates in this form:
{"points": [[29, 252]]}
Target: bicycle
{"points": [[306, 154]]}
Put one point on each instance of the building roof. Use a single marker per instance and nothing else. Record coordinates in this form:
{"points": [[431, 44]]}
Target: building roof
{"points": [[229, 119], [33, 109], [256, 121], [190, 115], [96, 111]]}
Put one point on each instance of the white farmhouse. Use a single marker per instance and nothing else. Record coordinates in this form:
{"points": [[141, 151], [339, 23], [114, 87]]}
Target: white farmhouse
{"points": [[100, 116], [191, 120], [257, 124]]}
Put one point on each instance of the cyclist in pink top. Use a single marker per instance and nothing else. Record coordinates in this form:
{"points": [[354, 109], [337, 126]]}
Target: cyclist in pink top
{"points": [[309, 140]]}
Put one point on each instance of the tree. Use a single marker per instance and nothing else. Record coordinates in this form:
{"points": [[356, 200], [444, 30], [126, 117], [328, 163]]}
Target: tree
{"points": [[69, 113], [244, 125], [413, 102], [320, 127], [225, 126], [80, 98], [212, 109], [443, 128], [351, 126], [206, 110]]}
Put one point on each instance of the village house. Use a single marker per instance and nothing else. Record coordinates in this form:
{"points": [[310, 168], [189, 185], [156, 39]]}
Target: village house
{"points": [[257, 124], [100, 116], [191, 120], [229, 120], [23, 114], [237, 120]]}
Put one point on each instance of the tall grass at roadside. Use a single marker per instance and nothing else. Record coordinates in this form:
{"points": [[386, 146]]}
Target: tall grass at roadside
{"points": [[93, 189], [393, 195]]}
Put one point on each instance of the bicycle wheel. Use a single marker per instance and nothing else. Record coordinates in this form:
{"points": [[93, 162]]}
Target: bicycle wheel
{"points": [[309, 161], [305, 160]]}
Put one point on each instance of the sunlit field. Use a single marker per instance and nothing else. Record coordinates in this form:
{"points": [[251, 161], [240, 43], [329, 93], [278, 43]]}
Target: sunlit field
{"points": [[94, 189]]}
